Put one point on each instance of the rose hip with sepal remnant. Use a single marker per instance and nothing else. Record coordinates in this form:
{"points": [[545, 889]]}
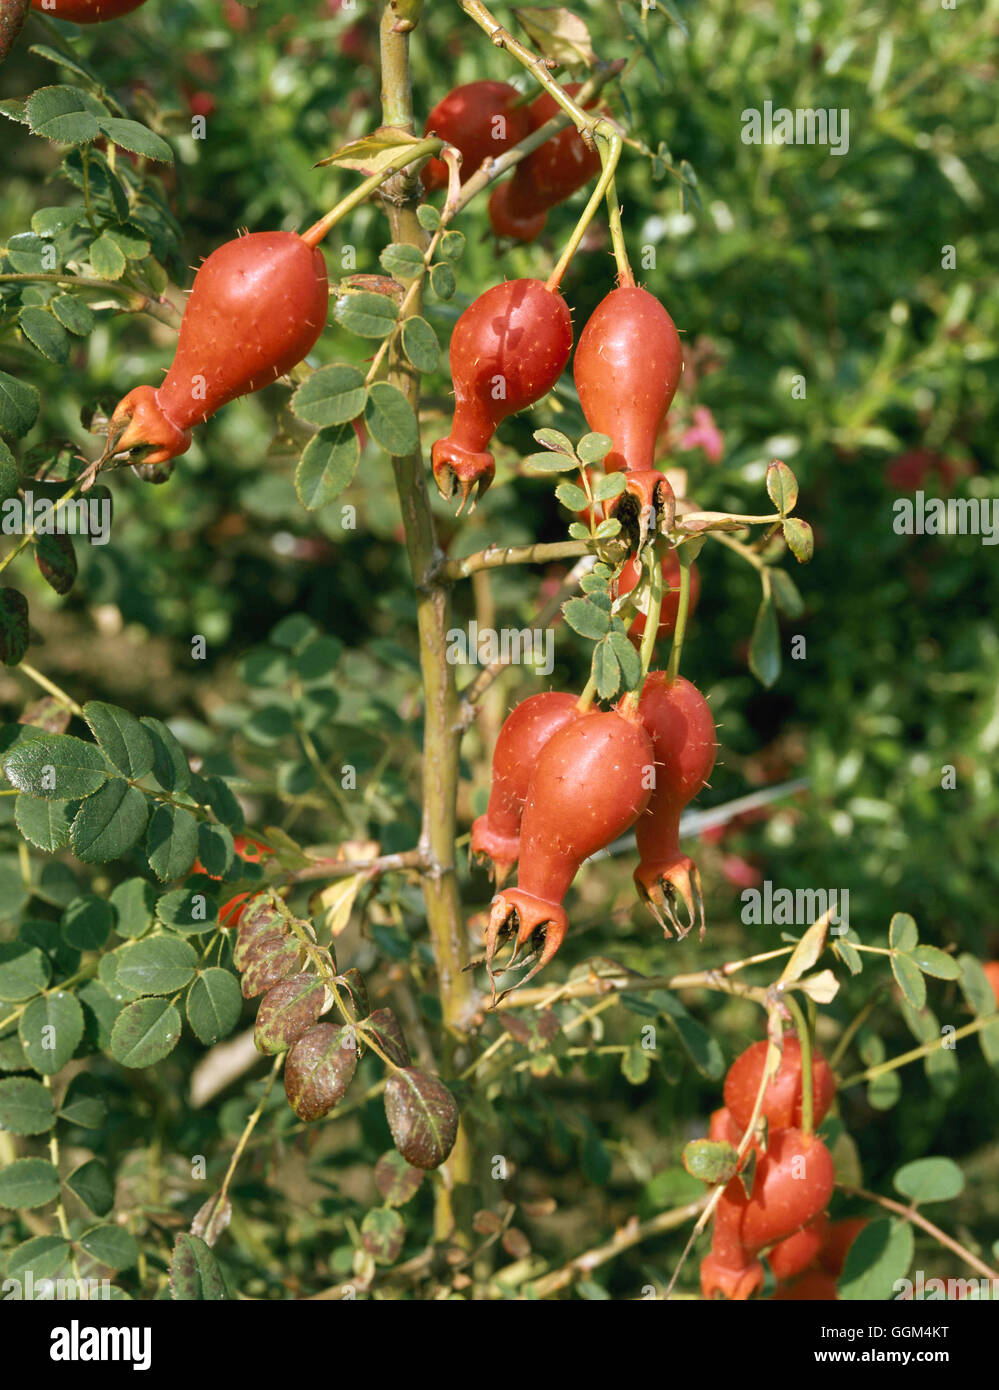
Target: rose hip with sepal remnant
{"points": [[525, 731], [257, 307], [680, 724], [590, 783], [508, 349]]}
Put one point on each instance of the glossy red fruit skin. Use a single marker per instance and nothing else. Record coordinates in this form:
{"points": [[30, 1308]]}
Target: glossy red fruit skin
{"points": [[991, 968], [782, 1098], [508, 349], [257, 307], [837, 1244], [512, 212], [466, 118], [548, 176], [780, 1204], [525, 731], [629, 577], [590, 783], [86, 11], [794, 1254], [679, 722], [627, 369], [562, 165], [793, 1183]]}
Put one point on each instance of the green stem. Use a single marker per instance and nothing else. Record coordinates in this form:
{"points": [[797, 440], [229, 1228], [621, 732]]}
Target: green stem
{"points": [[680, 631], [653, 581], [50, 686], [586, 697], [416, 151], [609, 144], [625, 275], [805, 1043], [251, 1124], [904, 1058]]}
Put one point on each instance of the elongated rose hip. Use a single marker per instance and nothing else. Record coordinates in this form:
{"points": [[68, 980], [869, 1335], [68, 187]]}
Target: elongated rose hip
{"points": [[627, 369], [590, 783], [508, 349], [257, 307], [679, 722], [526, 730]]}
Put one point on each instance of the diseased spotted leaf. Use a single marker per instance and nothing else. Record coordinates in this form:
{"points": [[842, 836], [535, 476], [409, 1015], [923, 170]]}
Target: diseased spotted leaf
{"points": [[422, 1116], [319, 1068]]}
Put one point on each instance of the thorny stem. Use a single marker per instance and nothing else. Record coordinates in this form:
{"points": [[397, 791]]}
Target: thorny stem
{"points": [[139, 303], [370, 868], [628, 1236], [496, 556], [453, 1195], [624, 982], [536, 64]]}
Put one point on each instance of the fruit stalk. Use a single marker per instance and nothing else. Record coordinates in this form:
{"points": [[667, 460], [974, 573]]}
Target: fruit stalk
{"points": [[625, 275], [319, 229], [609, 144], [685, 555], [805, 1043]]}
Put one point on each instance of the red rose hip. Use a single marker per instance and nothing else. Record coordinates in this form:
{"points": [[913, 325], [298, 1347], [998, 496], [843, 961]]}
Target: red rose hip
{"points": [[782, 1098], [526, 730], [257, 307], [590, 782], [508, 349]]}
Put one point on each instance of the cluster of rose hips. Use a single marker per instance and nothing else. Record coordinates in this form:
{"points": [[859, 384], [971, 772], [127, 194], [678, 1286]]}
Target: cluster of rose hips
{"points": [[567, 779], [483, 120], [777, 1202]]}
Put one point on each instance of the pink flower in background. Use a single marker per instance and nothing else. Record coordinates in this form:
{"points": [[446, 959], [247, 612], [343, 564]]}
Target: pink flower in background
{"points": [[704, 434], [913, 470]]}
